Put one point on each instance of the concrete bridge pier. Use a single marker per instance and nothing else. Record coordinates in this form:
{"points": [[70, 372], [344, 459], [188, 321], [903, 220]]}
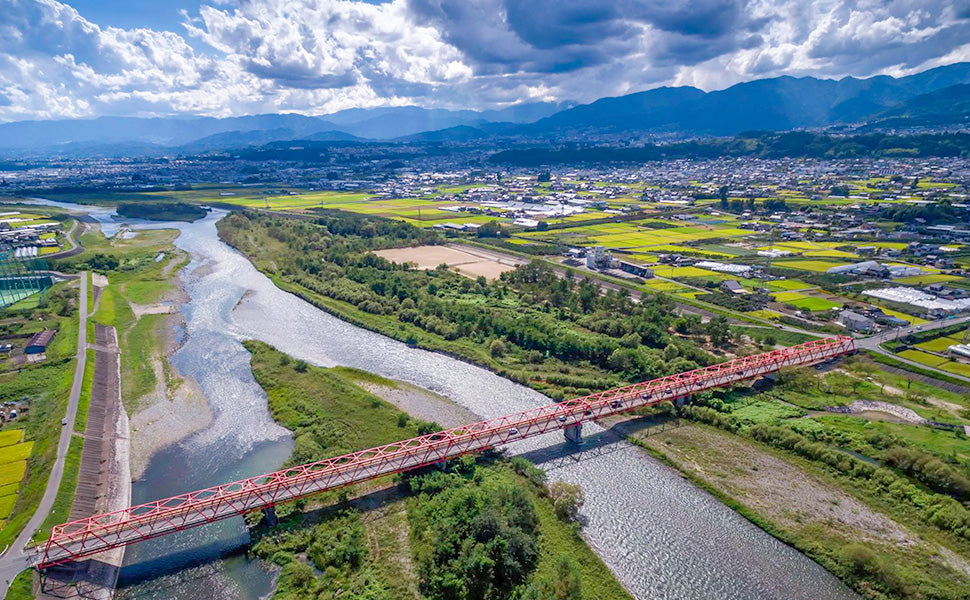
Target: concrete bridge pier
{"points": [[574, 433], [270, 514], [683, 400]]}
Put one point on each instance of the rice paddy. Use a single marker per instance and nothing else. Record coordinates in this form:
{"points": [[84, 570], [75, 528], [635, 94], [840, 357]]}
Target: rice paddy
{"points": [[660, 285], [786, 284], [923, 358], [805, 301], [13, 464], [818, 266], [928, 279], [939, 362], [632, 234], [939, 344]]}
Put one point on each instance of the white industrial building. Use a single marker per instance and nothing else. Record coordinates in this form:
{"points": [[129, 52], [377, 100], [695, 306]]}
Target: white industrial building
{"points": [[712, 265], [913, 297], [961, 350]]}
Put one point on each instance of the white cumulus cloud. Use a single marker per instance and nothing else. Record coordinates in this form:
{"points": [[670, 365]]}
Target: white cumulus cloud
{"points": [[317, 56]]}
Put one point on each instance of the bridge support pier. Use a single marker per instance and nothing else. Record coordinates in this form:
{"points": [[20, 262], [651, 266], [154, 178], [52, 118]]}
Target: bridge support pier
{"points": [[678, 402], [765, 382], [270, 514], [574, 433]]}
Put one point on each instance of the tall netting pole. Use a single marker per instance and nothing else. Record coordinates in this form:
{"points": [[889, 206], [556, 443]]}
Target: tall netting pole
{"points": [[21, 277]]}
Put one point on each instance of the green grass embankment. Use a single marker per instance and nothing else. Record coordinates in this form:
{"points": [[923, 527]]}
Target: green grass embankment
{"points": [[47, 385]]}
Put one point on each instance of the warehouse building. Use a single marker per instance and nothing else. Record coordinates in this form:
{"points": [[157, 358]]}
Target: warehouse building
{"points": [[37, 344]]}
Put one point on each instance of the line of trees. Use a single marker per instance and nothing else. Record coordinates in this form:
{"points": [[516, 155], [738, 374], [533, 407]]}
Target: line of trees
{"points": [[764, 144], [528, 316]]}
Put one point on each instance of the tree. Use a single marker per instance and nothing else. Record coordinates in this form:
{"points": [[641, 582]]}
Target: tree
{"points": [[478, 542], [718, 330], [567, 499], [544, 177], [492, 229]]}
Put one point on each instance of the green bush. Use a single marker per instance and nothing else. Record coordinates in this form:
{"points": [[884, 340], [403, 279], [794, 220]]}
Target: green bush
{"points": [[476, 541], [567, 499], [930, 470]]}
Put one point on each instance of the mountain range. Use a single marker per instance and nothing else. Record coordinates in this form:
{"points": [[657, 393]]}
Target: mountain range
{"points": [[938, 97]]}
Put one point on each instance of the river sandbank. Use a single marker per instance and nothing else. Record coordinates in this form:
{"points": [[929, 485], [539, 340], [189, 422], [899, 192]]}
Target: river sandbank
{"points": [[421, 403], [176, 408]]}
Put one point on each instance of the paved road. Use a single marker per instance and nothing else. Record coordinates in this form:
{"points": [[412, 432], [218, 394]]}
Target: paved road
{"points": [[16, 560], [74, 239], [872, 343]]}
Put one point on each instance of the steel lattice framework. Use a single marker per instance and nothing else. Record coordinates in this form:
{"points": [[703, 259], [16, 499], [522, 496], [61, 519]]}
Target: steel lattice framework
{"points": [[86, 537]]}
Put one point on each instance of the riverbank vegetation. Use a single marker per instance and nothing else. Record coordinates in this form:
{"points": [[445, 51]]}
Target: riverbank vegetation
{"points": [[879, 502], [562, 336], [483, 528], [140, 273], [565, 337], [161, 211], [40, 391], [135, 273]]}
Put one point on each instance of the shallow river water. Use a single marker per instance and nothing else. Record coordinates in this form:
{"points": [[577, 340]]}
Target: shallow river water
{"points": [[662, 536]]}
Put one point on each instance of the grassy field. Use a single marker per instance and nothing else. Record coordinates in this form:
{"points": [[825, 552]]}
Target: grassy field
{"points": [[22, 587], [328, 413], [817, 266], [824, 483], [137, 280], [822, 515]]}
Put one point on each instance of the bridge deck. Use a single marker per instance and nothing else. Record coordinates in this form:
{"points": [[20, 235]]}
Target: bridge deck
{"points": [[86, 537]]}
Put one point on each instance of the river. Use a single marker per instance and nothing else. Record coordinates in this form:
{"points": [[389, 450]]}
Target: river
{"points": [[662, 536]]}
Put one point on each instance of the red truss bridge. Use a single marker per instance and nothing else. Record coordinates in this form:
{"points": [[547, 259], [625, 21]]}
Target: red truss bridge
{"points": [[87, 537]]}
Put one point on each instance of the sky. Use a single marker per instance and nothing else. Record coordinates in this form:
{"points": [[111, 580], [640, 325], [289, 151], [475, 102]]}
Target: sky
{"points": [[88, 58]]}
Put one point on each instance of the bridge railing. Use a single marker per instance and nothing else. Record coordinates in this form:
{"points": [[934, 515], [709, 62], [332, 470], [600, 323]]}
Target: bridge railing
{"points": [[86, 537]]}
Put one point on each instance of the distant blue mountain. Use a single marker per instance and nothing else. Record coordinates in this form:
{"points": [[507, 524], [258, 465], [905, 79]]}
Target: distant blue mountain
{"points": [[949, 107], [208, 133], [931, 98], [458, 133], [780, 103], [158, 131]]}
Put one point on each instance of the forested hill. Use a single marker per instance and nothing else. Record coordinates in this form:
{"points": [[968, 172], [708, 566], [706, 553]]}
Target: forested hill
{"points": [[795, 144]]}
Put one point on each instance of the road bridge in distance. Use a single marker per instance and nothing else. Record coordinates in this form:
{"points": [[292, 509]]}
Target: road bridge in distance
{"points": [[87, 537]]}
